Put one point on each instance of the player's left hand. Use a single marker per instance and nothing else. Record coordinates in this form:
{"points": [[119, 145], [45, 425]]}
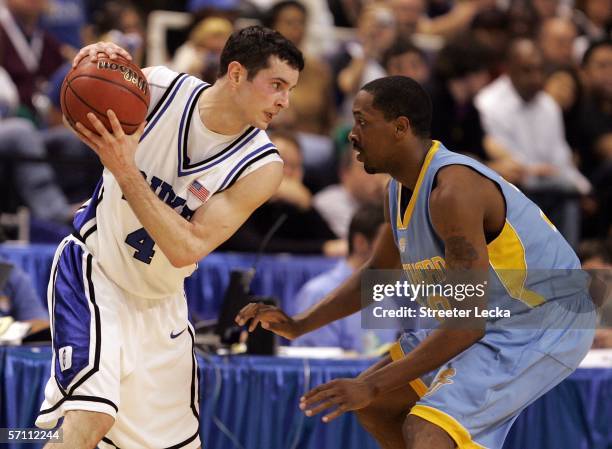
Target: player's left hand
{"points": [[344, 394], [110, 49], [116, 150]]}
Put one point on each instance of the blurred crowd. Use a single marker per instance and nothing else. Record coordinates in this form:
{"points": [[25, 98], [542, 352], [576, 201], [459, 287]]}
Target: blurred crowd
{"points": [[523, 85]]}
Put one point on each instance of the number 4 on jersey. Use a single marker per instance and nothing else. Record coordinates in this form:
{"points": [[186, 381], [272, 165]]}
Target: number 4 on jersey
{"points": [[143, 244]]}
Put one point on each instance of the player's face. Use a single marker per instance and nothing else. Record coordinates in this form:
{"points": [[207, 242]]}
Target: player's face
{"points": [[370, 135], [268, 92]]}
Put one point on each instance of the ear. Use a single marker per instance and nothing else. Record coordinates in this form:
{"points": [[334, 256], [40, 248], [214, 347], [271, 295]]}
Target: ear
{"points": [[235, 72], [402, 126], [360, 243]]}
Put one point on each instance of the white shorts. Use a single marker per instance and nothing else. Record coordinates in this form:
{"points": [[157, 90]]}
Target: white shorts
{"points": [[119, 354]]}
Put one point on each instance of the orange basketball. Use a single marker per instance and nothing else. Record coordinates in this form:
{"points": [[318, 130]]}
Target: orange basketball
{"points": [[105, 84]]}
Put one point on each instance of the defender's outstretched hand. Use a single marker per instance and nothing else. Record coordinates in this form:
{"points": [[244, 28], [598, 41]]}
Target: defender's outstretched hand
{"points": [[110, 49], [344, 394], [271, 318]]}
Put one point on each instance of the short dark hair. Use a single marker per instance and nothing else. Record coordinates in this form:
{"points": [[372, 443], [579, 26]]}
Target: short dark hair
{"points": [[252, 47], [366, 221], [400, 47], [271, 16], [400, 96], [594, 47], [595, 248], [460, 58]]}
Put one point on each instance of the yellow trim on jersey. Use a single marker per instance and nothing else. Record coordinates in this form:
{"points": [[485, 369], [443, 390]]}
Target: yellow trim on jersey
{"points": [[457, 432], [417, 385], [403, 224], [507, 257]]}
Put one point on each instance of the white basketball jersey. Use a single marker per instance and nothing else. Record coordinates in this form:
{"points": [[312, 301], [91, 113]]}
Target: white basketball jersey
{"points": [[185, 164]]}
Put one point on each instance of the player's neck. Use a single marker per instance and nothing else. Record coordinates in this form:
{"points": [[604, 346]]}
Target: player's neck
{"points": [[218, 111], [408, 167]]}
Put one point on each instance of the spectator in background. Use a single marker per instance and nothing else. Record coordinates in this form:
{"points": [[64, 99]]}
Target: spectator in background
{"points": [[527, 127], [19, 300], [593, 19], [199, 56], [448, 21], [312, 108], [31, 181], [304, 231], [346, 333], [490, 28], [592, 134], [359, 61], [596, 255], [28, 53], [121, 22], [404, 58], [594, 129], [556, 39], [338, 202], [461, 70], [65, 20]]}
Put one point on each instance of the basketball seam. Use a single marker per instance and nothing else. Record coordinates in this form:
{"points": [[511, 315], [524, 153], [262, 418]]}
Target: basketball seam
{"points": [[101, 78], [94, 109]]}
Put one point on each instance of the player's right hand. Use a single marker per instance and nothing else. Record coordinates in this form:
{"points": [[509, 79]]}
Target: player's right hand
{"points": [[270, 317], [110, 49]]}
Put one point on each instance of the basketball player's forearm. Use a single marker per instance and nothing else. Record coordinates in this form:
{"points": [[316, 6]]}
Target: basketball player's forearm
{"points": [[437, 349], [169, 230]]}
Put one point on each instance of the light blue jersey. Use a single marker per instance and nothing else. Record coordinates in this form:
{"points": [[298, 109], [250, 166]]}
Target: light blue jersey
{"points": [[477, 395]]}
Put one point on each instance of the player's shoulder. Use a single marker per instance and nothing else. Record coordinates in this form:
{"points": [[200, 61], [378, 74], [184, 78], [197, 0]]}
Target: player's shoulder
{"points": [[457, 184], [160, 76]]}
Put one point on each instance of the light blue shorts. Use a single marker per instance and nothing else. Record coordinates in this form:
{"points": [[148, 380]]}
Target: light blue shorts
{"points": [[476, 396]]}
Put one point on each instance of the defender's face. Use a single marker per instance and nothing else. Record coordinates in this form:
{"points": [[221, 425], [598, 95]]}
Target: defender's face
{"points": [[371, 134], [268, 92]]}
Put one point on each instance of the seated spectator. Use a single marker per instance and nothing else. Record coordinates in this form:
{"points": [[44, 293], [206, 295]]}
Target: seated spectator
{"points": [[199, 56], [359, 61], [346, 333], [312, 108], [556, 39], [593, 18], [461, 70], [596, 255], [412, 17], [19, 300], [29, 54], [527, 127], [593, 130], [24, 174], [490, 28], [404, 58], [304, 231], [337, 203]]}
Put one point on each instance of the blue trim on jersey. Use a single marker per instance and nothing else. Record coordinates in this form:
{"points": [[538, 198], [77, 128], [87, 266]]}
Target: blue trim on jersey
{"points": [[71, 314], [225, 153], [153, 122], [245, 160], [89, 212], [186, 112]]}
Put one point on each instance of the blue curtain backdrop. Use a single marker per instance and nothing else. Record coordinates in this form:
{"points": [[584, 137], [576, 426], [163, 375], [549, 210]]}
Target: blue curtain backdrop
{"points": [[256, 398]]}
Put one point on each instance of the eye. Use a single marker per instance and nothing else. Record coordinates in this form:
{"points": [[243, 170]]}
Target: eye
{"points": [[276, 85]]}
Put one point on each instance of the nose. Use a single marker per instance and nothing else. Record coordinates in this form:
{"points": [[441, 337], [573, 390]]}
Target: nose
{"points": [[283, 100]]}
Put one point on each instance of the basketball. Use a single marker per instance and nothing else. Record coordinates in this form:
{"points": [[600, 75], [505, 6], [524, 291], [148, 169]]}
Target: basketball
{"points": [[105, 84]]}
